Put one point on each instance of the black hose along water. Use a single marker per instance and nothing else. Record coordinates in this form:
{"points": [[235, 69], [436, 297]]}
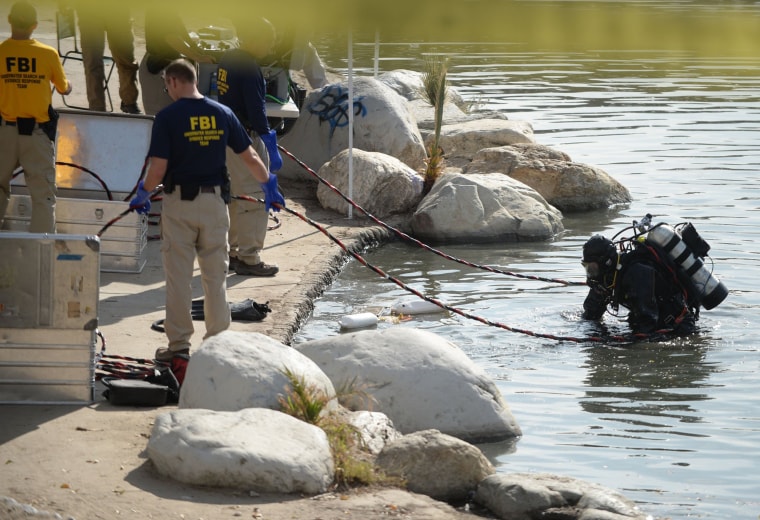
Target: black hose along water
{"points": [[617, 338]]}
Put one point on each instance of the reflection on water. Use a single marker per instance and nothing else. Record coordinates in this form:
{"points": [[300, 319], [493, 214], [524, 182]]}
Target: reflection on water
{"points": [[646, 382], [673, 425]]}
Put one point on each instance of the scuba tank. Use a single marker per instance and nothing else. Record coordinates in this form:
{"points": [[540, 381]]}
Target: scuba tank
{"points": [[710, 292]]}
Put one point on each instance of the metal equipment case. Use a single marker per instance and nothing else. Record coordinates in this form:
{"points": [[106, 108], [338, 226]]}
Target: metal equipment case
{"points": [[49, 292], [123, 245]]}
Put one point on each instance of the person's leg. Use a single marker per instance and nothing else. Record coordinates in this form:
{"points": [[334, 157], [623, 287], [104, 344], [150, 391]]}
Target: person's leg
{"points": [[92, 39], [121, 43], [37, 157], [213, 223], [304, 57], [178, 238], [249, 229], [8, 163], [235, 169], [252, 221], [313, 68], [152, 89]]}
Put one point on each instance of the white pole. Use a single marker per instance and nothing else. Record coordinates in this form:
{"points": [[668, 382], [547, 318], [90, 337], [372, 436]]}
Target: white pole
{"points": [[350, 124], [377, 52]]}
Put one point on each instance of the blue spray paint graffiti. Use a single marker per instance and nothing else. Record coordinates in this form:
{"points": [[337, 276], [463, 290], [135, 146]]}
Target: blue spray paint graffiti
{"points": [[332, 107]]}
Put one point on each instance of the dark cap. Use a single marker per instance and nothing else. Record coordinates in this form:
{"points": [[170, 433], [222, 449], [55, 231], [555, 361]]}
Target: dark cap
{"points": [[600, 250], [23, 15]]}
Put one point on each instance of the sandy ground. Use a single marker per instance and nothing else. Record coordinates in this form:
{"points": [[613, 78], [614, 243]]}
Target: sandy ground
{"points": [[88, 462]]}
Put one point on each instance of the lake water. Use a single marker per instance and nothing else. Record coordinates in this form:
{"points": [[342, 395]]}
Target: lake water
{"points": [[675, 425]]}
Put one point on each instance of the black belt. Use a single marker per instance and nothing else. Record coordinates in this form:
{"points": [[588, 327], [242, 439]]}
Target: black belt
{"points": [[7, 123], [203, 188]]}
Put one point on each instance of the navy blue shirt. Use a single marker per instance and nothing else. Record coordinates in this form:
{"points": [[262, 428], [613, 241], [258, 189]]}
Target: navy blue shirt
{"points": [[192, 134], [242, 87]]}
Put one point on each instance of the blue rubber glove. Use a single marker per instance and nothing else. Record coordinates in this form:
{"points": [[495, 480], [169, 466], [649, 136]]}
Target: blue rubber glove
{"points": [[141, 202], [272, 193], [275, 159]]}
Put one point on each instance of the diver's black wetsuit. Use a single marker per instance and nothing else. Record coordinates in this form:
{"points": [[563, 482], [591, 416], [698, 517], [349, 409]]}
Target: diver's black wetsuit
{"points": [[649, 290]]}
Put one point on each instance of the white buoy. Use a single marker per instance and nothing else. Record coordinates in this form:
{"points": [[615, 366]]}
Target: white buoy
{"points": [[358, 321], [415, 307]]}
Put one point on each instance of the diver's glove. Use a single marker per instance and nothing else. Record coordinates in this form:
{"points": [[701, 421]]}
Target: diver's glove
{"points": [[141, 202], [275, 159], [272, 193]]}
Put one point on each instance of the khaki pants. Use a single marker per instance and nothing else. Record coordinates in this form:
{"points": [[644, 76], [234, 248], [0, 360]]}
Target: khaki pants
{"points": [[152, 87], [189, 228], [305, 57], [36, 154], [94, 24], [248, 220]]}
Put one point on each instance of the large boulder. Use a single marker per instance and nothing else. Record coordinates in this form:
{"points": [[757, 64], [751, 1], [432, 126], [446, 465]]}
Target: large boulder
{"points": [[382, 123], [406, 83], [434, 464], [419, 380], [565, 184], [375, 429], [409, 84], [483, 208], [523, 496], [466, 138], [236, 370], [382, 184], [424, 114], [255, 449]]}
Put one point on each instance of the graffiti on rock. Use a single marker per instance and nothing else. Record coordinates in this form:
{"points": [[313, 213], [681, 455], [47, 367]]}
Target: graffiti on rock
{"points": [[332, 107]]}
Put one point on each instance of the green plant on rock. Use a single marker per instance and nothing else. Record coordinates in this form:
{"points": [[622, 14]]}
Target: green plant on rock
{"points": [[435, 91], [354, 395], [303, 400], [353, 464]]}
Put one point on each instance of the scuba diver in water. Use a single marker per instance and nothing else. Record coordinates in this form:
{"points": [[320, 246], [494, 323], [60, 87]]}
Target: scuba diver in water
{"points": [[656, 275]]}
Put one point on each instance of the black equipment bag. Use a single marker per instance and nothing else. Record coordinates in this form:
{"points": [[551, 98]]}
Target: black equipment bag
{"points": [[137, 382], [134, 392]]}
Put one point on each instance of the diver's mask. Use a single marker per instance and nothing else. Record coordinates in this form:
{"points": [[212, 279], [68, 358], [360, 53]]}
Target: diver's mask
{"points": [[599, 257], [593, 272]]}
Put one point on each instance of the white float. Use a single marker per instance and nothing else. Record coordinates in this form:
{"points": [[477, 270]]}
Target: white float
{"points": [[410, 307], [358, 321]]}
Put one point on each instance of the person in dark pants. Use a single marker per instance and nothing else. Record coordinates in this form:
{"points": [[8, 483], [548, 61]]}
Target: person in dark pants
{"points": [[166, 39], [27, 119], [98, 19], [242, 87], [642, 281], [187, 155]]}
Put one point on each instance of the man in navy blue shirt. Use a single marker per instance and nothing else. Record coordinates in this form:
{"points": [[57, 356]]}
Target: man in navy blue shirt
{"points": [[187, 155], [242, 87]]}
